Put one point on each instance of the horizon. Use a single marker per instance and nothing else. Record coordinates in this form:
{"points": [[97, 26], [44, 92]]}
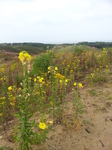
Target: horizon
{"points": [[57, 43]]}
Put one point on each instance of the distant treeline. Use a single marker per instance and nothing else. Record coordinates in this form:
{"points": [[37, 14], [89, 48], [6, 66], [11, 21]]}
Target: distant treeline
{"points": [[36, 48], [32, 48], [96, 44]]}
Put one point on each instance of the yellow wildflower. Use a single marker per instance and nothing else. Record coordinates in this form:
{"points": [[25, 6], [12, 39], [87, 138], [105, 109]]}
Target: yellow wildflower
{"points": [[40, 80], [27, 56], [42, 125], [38, 77], [49, 68], [10, 88], [35, 80], [66, 80], [56, 69], [21, 57], [0, 114], [80, 85], [60, 81], [75, 83]]}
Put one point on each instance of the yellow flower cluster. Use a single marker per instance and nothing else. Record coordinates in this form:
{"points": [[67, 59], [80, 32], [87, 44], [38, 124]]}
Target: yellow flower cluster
{"points": [[40, 79], [24, 57], [59, 76]]}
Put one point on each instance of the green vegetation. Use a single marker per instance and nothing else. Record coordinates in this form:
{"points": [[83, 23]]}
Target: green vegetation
{"points": [[97, 44], [32, 48], [41, 63], [34, 90], [5, 148], [36, 48]]}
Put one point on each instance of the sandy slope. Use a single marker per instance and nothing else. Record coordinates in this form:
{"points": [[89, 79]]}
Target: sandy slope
{"points": [[95, 133]]}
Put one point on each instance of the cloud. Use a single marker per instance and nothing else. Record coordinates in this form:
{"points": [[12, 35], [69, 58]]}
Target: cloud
{"points": [[54, 20]]}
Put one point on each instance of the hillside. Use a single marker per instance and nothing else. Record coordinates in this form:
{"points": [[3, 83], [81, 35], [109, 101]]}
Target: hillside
{"points": [[58, 100], [32, 48], [37, 48]]}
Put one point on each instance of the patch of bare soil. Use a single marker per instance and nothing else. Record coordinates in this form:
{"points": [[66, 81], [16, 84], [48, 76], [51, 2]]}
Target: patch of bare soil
{"points": [[94, 132]]}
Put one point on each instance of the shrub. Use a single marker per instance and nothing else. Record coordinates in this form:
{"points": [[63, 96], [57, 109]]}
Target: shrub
{"points": [[42, 63]]}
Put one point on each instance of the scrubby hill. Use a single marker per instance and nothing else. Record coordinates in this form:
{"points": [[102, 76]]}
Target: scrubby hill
{"points": [[32, 48]]}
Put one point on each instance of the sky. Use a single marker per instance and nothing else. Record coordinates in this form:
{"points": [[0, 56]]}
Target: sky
{"points": [[55, 21]]}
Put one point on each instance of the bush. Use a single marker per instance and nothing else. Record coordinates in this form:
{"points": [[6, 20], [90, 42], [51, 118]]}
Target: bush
{"points": [[42, 63]]}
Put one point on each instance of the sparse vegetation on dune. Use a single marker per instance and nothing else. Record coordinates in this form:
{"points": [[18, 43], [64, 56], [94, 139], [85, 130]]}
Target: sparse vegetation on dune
{"points": [[44, 97]]}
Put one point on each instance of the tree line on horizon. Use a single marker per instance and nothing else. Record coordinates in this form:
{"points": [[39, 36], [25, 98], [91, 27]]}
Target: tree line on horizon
{"points": [[36, 48], [99, 45]]}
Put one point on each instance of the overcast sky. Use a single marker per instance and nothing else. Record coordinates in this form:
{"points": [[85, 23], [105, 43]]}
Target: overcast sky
{"points": [[55, 21]]}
